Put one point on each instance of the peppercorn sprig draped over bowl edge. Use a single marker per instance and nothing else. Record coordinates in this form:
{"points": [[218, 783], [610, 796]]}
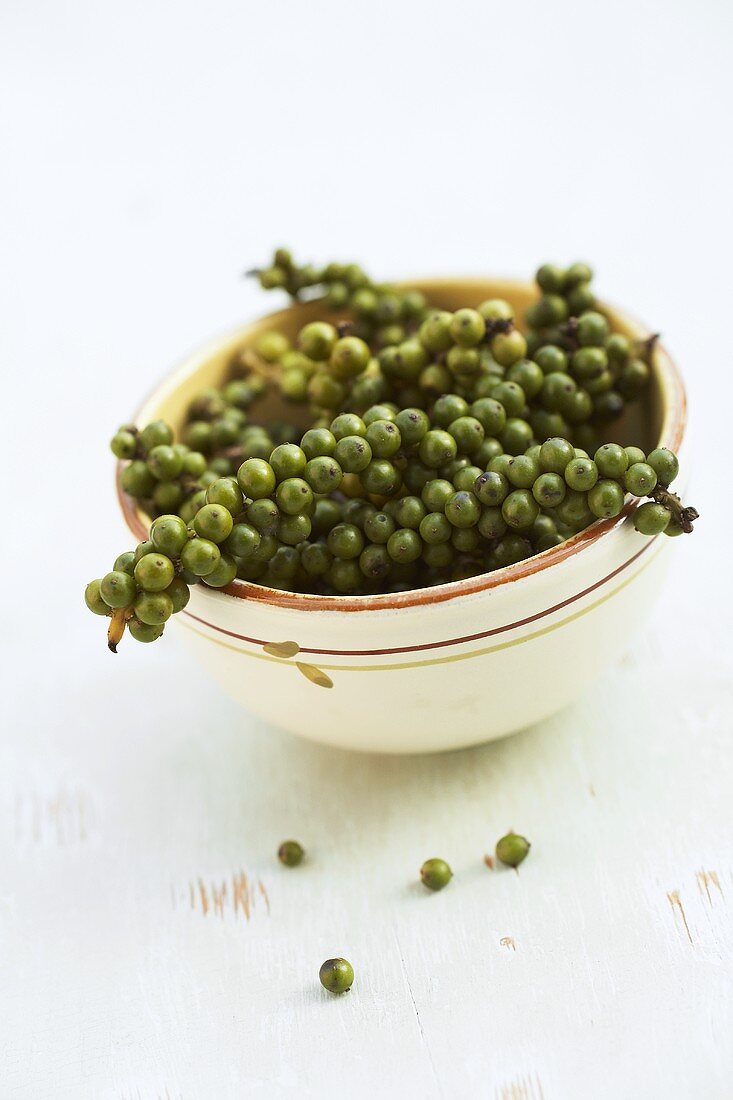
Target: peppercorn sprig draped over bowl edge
{"points": [[440, 445]]}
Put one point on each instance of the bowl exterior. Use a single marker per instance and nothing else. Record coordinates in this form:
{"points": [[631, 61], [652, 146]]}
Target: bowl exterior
{"points": [[434, 676]]}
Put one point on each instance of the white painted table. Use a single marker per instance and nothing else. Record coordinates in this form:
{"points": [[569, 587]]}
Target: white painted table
{"points": [[150, 944]]}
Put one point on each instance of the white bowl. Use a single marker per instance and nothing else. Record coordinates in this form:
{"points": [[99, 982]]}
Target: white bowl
{"points": [[436, 668]]}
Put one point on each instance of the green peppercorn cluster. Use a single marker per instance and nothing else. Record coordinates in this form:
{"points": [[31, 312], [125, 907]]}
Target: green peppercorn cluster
{"points": [[440, 445]]}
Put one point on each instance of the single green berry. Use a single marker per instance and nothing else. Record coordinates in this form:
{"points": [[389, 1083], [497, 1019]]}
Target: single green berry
{"points": [[665, 465], [144, 632], [153, 608], [512, 849], [94, 599], [640, 479], [435, 874], [290, 853], [317, 340], [118, 589], [651, 518], [336, 975]]}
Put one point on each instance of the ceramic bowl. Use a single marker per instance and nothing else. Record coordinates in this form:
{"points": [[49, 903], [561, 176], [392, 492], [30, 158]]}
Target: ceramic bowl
{"points": [[436, 668]]}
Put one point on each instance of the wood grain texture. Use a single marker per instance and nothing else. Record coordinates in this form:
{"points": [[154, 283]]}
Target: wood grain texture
{"points": [[151, 945]]}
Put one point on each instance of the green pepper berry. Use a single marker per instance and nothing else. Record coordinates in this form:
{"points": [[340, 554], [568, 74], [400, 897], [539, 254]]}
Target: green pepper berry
{"points": [[581, 474], [117, 589], [154, 572], [491, 488], [124, 443], [435, 331], [549, 490], [155, 434], [496, 309], [640, 479], [508, 347], [345, 541], [318, 443], [200, 556], [169, 534], [164, 462], [550, 278], [512, 849], [256, 478], [522, 471], [611, 460], [435, 874], [555, 455], [551, 359], [491, 415], [137, 480], [294, 495], [143, 632], [336, 975], [223, 572], [347, 424], [213, 522], [405, 545], [290, 853], [179, 593], [94, 599], [323, 474], [350, 356], [665, 465], [153, 608], [317, 340], [225, 491], [378, 527], [463, 509], [353, 454], [651, 518], [436, 448], [383, 436], [467, 328], [606, 499], [126, 563], [520, 509]]}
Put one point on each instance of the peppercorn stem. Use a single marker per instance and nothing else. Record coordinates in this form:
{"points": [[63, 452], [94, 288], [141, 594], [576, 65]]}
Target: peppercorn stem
{"points": [[685, 516], [117, 623]]}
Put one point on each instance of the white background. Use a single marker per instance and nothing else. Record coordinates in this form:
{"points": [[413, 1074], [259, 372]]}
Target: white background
{"points": [[150, 153]]}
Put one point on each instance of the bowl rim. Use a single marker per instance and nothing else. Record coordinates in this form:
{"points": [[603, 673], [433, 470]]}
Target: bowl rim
{"points": [[672, 431]]}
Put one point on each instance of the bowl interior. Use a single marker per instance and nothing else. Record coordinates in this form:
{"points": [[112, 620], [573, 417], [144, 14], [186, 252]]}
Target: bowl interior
{"points": [[642, 423]]}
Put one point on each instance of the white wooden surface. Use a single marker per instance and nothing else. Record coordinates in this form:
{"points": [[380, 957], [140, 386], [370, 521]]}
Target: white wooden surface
{"points": [[150, 944]]}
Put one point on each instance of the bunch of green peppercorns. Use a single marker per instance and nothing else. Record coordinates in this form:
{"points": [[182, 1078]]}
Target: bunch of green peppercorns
{"points": [[337, 975], [440, 445]]}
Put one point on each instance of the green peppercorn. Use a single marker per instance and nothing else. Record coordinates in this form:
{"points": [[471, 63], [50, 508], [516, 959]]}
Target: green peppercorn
{"points": [[290, 853], [508, 347], [665, 465], [143, 632], [512, 849], [581, 474], [213, 522], [435, 874], [606, 499], [336, 975], [256, 478], [640, 479], [651, 518], [611, 460], [317, 340]]}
